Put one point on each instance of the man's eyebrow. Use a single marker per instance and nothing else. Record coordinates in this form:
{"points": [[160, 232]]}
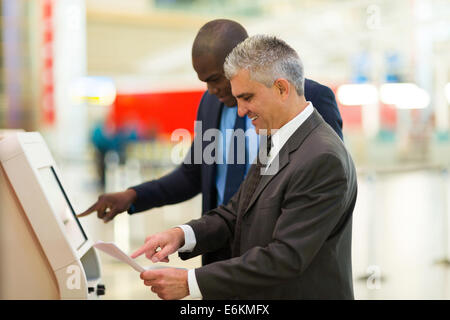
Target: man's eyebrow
{"points": [[243, 94]]}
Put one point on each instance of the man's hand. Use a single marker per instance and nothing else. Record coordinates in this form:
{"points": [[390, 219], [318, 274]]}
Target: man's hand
{"points": [[168, 284], [109, 205], [169, 241]]}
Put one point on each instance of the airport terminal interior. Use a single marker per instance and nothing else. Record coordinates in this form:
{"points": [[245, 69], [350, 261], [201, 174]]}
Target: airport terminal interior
{"points": [[105, 83]]}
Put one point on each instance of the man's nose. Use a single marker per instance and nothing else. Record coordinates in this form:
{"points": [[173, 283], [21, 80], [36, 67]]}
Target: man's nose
{"points": [[242, 111]]}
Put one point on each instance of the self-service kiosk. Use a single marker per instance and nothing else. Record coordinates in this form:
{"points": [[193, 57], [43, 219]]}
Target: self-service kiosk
{"points": [[44, 251]]}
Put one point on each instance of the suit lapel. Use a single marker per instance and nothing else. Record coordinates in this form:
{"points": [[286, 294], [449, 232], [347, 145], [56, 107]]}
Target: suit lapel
{"points": [[283, 157]]}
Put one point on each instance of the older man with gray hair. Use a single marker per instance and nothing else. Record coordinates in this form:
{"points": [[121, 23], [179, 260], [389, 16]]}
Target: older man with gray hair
{"points": [[290, 229]]}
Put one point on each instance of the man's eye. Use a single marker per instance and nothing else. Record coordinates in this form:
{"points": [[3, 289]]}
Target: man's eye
{"points": [[247, 98]]}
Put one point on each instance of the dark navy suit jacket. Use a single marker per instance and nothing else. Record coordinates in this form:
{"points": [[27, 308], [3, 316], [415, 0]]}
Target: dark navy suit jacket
{"points": [[191, 178]]}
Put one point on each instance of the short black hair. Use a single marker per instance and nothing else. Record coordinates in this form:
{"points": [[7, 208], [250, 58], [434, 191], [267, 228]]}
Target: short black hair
{"points": [[218, 37]]}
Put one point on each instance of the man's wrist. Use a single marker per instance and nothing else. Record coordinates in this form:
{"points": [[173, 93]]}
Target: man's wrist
{"points": [[180, 236], [131, 198], [132, 195]]}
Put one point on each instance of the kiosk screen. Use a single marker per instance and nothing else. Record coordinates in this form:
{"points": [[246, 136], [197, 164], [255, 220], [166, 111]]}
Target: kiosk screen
{"points": [[62, 207]]}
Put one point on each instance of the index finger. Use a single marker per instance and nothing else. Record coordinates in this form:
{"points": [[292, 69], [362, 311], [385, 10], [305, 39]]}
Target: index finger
{"points": [[88, 211], [150, 245]]}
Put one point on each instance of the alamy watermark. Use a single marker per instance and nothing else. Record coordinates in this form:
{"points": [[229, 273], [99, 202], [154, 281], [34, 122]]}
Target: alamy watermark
{"points": [[374, 277], [73, 281], [208, 147], [373, 21]]}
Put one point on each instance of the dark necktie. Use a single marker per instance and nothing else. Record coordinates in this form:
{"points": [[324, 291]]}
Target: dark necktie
{"points": [[235, 171], [251, 183]]}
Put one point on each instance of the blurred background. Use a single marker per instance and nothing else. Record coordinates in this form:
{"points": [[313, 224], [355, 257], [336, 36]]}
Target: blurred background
{"points": [[106, 82]]}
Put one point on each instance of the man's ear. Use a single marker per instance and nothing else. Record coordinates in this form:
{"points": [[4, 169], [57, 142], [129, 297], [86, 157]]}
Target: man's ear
{"points": [[283, 87]]}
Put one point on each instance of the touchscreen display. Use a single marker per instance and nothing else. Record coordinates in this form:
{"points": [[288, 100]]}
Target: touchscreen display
{"points": [[62, 207]]}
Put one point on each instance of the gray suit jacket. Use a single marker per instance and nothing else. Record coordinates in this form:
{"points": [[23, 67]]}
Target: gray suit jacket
{"points": [[295, 240]]}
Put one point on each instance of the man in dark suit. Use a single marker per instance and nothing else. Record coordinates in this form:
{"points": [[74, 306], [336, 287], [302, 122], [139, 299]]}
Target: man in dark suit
{"points": [[289, 225], [217, 109]]}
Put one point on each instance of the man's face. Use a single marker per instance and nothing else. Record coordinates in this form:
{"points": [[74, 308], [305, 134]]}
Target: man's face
{"points": [[259, 103], [210, 70]]}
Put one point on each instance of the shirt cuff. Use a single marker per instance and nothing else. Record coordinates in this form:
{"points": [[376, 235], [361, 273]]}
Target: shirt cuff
{"points": [[189, 238], [194, 290], [131, 209]]}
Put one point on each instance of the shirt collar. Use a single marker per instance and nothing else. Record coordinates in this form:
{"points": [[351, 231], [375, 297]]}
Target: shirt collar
{"points": [[282, 135]]}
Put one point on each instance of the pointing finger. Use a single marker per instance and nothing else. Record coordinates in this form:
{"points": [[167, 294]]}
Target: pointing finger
{"points": [[149, 246], [138, 252], [88, 211]]}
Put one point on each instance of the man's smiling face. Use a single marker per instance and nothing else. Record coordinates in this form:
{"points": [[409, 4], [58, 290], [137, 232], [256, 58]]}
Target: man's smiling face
{"points": [[260, 103]]}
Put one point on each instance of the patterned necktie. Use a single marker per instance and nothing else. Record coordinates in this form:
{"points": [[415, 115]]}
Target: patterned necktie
{"points": [[235, 170], [251, 183]]}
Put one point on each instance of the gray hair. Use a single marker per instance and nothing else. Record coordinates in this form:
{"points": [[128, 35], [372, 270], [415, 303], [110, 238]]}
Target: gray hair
{"points": [[267, 58]]}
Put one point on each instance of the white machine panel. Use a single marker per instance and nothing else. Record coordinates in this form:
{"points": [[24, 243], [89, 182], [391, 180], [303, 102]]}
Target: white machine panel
{"points": [[33, 179]]}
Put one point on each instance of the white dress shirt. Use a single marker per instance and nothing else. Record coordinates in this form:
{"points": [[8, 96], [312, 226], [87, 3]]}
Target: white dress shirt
{"points": [[279, 138], [282, 135]]}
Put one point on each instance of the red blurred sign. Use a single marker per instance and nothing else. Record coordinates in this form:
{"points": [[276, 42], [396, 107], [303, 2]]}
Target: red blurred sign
{"points": [[158, 113], [47, 93]]}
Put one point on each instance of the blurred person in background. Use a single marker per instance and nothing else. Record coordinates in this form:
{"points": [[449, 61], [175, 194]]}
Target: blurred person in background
{"points": [[217, 109], [106, 139], [290, 223]]}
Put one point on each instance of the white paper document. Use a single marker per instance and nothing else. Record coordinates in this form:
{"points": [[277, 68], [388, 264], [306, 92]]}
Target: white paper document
{"points": [[114, 251]]}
